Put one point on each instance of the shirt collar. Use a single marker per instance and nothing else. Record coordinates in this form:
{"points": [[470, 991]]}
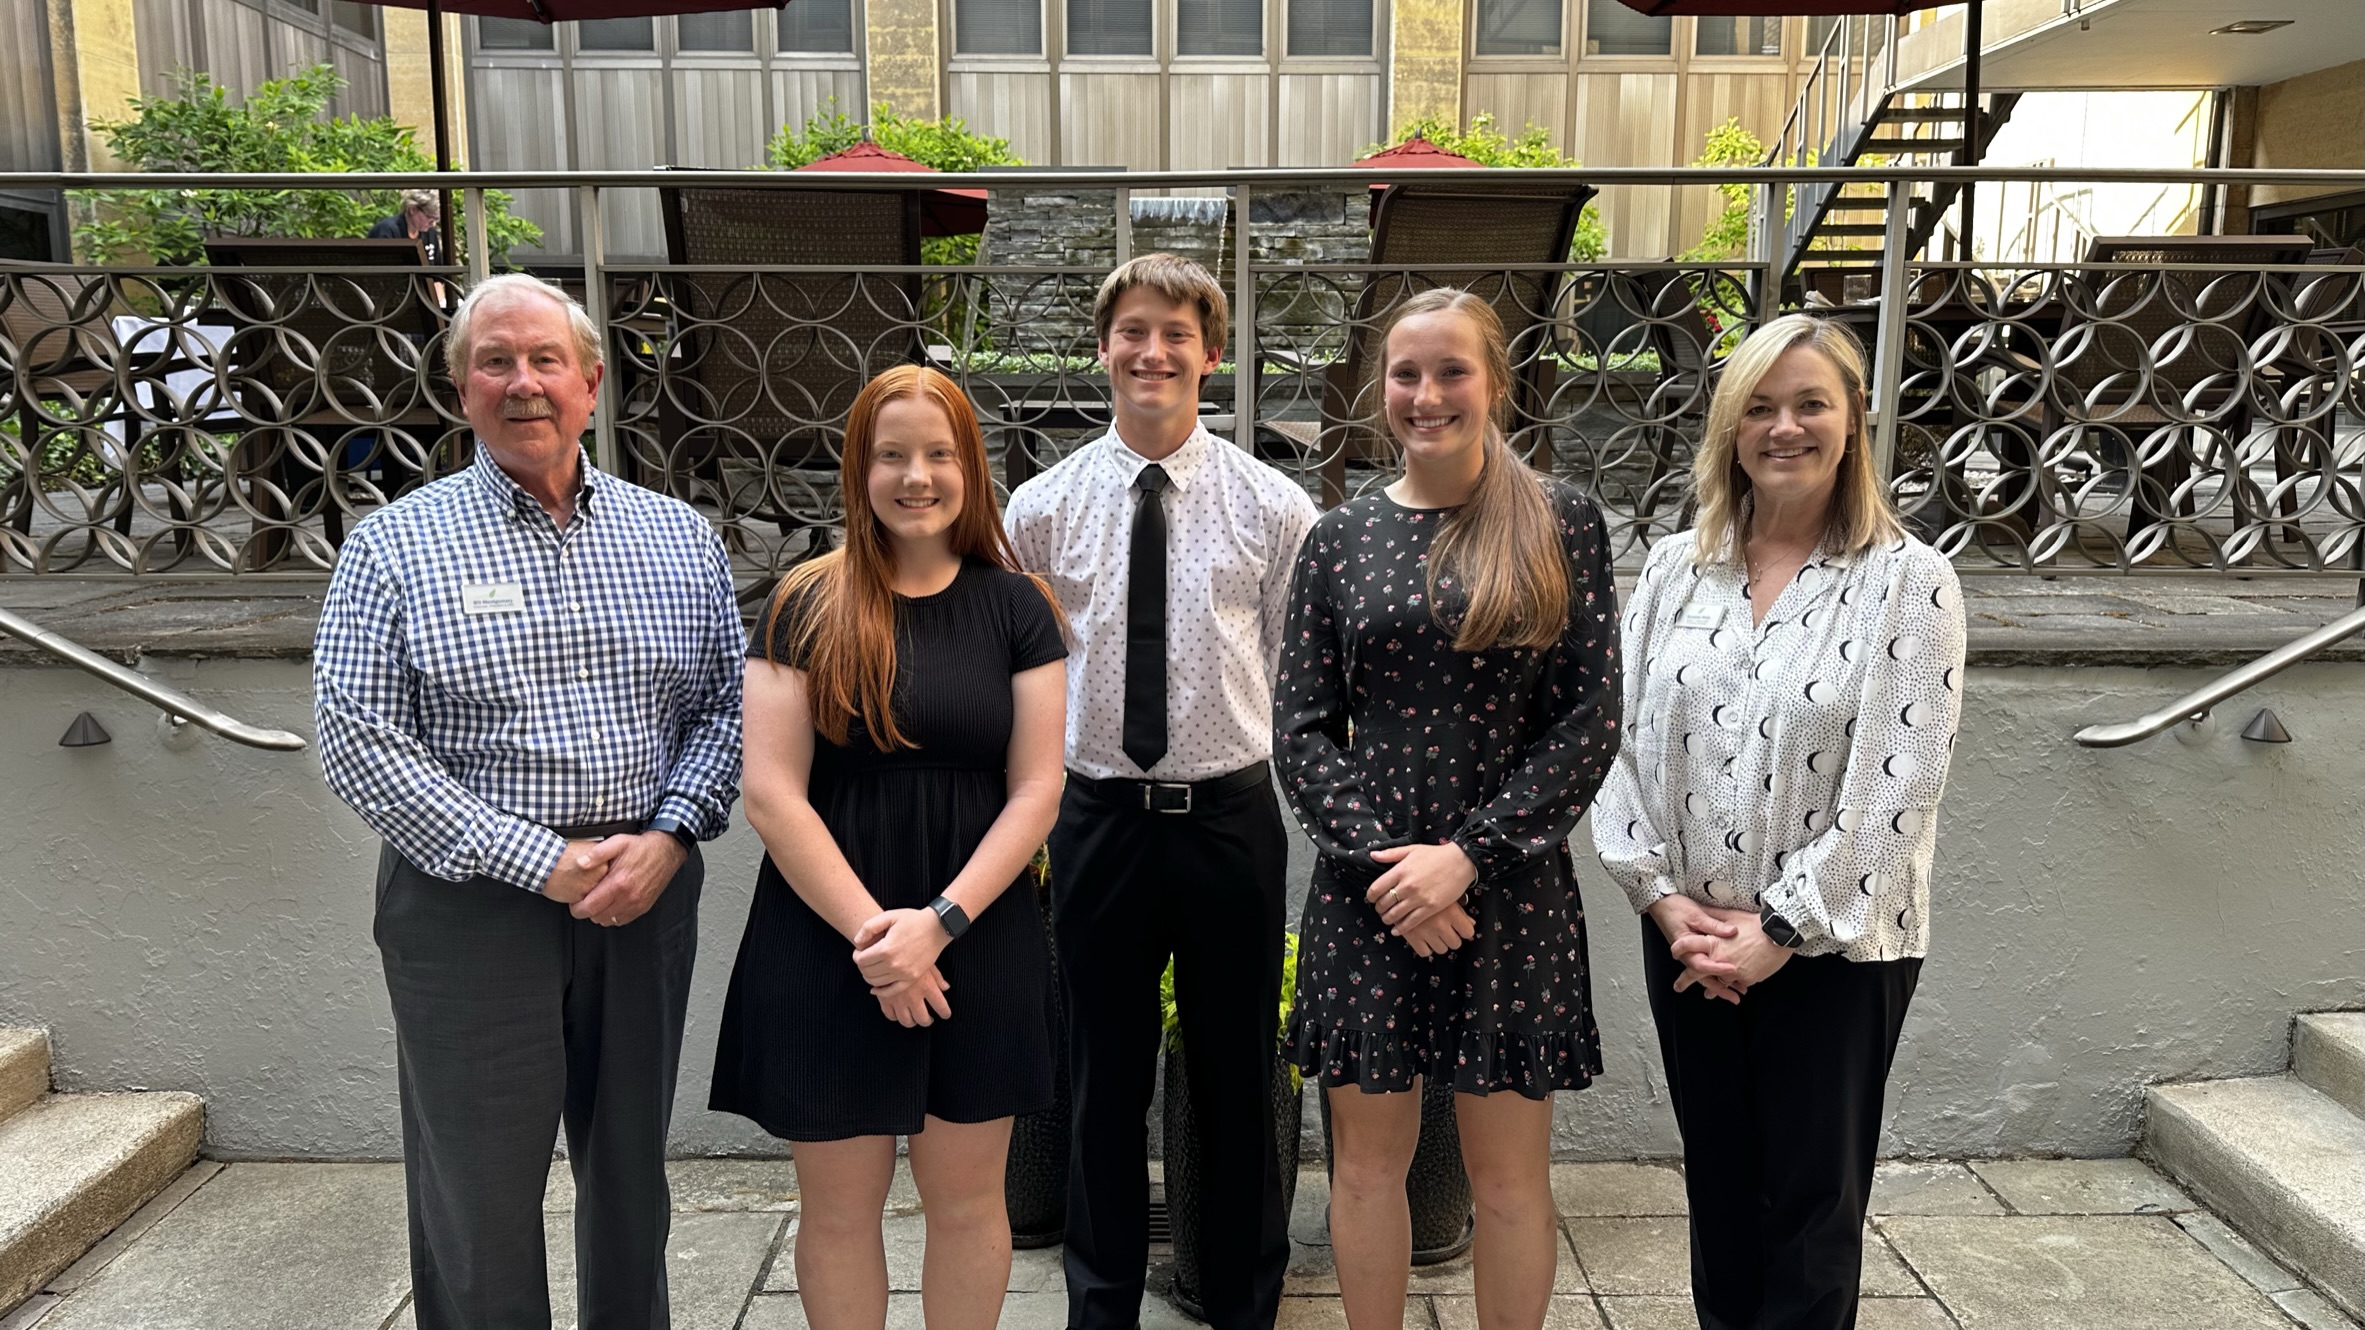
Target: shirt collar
{"points": [[509, 494], [1181, 465]]}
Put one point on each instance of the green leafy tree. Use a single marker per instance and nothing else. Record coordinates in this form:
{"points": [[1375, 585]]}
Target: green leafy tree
{"points": [[1727, 233], [1487, 145], [283, 126], [946, 143]]}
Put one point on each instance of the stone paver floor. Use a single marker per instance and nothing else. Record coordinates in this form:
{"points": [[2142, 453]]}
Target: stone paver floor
{"points": [[2004, 1245]]}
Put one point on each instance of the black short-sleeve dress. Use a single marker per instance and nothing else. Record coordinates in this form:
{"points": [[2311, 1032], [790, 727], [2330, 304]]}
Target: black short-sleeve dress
{"points": [[1385, 735], [804, 1049]]}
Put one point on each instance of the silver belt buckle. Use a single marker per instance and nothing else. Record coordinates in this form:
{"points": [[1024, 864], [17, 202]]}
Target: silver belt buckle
{"points": [[1150, 802]]}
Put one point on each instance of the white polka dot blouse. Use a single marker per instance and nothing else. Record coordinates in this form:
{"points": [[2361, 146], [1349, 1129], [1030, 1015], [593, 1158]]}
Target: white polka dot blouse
{"points": [[1796, 763]]}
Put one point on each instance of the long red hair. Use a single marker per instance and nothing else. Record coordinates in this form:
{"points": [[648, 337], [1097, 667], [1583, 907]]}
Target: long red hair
{"points": [[846, 632]]}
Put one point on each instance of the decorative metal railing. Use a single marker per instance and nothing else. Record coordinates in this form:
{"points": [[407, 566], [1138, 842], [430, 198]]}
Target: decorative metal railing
{"points": [[2107, 417]]}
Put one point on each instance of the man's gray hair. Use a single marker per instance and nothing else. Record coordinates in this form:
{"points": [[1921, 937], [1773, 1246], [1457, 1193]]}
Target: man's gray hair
{"points": [[516, 286], [425, 200]]}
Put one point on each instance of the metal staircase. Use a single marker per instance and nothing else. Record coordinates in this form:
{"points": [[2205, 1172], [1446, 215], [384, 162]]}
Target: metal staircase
{"points": [[1848, 114]]}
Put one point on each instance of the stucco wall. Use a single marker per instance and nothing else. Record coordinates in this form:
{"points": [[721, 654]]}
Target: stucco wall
{"points": [[199, 919]]}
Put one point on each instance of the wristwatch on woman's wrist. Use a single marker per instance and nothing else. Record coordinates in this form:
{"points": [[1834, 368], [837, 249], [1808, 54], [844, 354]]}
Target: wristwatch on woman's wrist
{"points": [[1780, 931], [951, 915]]}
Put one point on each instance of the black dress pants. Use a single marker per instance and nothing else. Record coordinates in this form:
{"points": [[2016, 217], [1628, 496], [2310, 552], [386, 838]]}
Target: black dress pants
{"points": [[1779, 1100], [1130, 888], [511, 1016]]}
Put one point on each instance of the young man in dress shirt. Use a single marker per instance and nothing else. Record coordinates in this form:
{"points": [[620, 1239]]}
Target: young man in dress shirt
{"points": [[527, 681], [1171, 551]]}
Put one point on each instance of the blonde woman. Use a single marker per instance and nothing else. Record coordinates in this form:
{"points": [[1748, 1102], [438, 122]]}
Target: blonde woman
{"points": [[1794, 678], [1447, 703]]}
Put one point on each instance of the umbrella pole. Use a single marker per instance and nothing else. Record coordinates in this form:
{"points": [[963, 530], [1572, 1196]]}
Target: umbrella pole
{"points": [[443, 121], [1969, 156]]}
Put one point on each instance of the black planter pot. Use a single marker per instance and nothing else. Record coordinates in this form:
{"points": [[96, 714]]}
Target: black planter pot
{"points": [[1183, 1157], [1437, 1187], [1035, 1181]]}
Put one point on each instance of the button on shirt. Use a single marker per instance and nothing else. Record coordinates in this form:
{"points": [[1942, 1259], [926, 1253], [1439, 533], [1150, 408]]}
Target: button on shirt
{"points": [[1796, 763], [1233, 529], [482, 675]]}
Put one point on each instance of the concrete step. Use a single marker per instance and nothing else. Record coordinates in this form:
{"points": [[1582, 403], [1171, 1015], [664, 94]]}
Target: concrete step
{"points": [[73, 1166], [2277, 1160], [2328, 1052], [24, 1068]]}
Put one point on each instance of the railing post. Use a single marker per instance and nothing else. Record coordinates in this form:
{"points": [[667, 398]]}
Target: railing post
{"points": [[1124, 224], [480, 245], [1244, 352], [595, 303], [1889, 334], [1764, 246]]}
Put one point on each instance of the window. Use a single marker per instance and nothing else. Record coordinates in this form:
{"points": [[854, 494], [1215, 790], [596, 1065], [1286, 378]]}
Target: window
{"points": [[991, 27], [1519, 27], [1613, 29], [732, 30], [825, 27], [1219, 27], [514, 34], [353, 17], [1330, 27], [616, 34], [1109, 27], [1757, 35], [1819, 30]]}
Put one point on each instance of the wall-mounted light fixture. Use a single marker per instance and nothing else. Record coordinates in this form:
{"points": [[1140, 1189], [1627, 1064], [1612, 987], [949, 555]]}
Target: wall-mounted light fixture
{"points": [[2251, 27], [2266, 728], [85, 732]]}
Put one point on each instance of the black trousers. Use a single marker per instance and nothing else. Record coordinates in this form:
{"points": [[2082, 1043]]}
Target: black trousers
{"points": [[511, 1016], [1779, 1100], [1130, 888]]}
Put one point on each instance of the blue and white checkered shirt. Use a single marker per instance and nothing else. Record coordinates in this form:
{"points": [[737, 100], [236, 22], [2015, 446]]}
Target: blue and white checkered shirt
{"points": [[481, 676]]}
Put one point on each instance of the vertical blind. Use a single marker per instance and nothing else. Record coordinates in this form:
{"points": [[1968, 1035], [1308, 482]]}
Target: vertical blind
{"points": [[995, 27], [823, 27], [1219, 27], [1331, 27]]}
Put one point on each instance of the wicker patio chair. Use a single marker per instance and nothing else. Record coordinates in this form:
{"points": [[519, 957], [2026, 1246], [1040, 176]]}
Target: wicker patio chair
{"points": [[763, 365], [334, 375], [1425, 225]]}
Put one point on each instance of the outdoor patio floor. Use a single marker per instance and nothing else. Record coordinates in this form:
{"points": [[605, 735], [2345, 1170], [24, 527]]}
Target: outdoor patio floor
{"points": [[1989, 1245]]}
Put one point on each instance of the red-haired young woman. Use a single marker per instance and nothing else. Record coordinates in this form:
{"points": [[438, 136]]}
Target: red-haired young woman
{"points": [[905, 711]]}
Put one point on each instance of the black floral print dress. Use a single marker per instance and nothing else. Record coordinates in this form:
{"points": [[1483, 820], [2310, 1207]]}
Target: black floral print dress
{"points": [[1385, 735]]}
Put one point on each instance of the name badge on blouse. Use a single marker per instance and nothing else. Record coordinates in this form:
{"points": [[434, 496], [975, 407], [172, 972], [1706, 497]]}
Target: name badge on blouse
{"points": [[1700, 616], [492, 597]]}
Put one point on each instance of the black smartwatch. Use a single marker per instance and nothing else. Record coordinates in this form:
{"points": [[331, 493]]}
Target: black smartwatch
{"points": [[1779, 930], [952, 916], [675, 830]]}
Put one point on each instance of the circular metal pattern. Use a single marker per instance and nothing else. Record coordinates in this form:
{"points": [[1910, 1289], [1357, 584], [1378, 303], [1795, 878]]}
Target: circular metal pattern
{"points": [[2050, 417]]}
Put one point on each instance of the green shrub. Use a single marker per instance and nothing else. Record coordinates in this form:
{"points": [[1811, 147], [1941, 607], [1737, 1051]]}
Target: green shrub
{"points": [[282, 126], [1489, 146]]}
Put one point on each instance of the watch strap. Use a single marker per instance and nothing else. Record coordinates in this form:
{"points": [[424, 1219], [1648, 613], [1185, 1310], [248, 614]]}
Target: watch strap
{"points": [[1779, 930], [949, 913], [675, 830]]}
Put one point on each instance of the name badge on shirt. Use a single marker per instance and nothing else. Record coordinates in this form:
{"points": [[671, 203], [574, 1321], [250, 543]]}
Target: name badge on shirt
{"points": [[492, 597], [1700, 616]]}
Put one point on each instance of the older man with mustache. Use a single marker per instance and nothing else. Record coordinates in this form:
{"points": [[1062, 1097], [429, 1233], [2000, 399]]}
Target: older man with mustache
{"points": [[527, 682]]}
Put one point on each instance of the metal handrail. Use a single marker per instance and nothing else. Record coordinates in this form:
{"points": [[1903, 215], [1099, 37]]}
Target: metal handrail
{"points": [[139, 685], [2199, 702]]}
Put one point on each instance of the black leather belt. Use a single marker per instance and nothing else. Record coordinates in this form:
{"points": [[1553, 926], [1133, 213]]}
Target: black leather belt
{"points": [[1178, 797], [601, 830]]}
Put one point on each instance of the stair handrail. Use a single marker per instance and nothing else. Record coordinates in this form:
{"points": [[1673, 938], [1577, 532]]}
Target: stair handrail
{"points": [[141, 686], [2198, 703]]}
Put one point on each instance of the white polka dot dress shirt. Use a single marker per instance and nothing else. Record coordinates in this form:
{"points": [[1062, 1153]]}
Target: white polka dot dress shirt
{"points": [[1795, 764], [1233, 526]]}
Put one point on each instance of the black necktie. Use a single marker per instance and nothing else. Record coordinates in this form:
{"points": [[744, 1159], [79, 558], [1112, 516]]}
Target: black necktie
{"points": [[1144, 736]]}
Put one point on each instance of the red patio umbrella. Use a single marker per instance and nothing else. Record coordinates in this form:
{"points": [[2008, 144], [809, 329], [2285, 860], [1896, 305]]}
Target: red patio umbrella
{"points": [[1417, 152], [943, 212]]}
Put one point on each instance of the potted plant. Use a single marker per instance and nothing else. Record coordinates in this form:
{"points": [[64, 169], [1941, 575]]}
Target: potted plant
{"points": [[1182, 1140], [1035, 1179]]}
